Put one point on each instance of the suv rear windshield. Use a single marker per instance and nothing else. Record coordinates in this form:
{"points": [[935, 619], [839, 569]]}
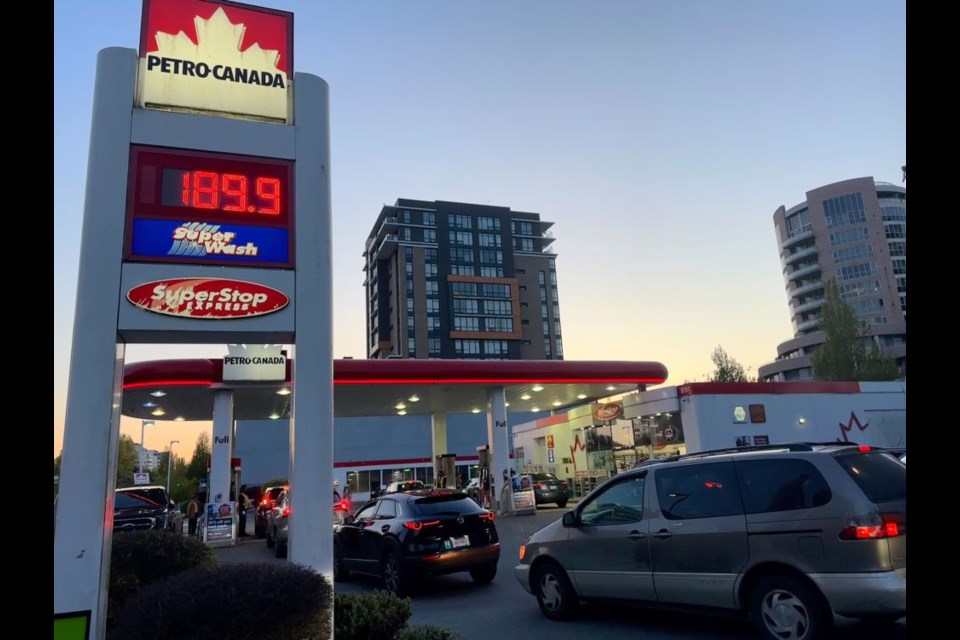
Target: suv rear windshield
{"points": [[140, 498], [881, 477], [451, 503]]}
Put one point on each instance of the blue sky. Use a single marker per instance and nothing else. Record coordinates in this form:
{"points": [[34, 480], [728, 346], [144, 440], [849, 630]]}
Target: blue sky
{"points": [[659, 137]]}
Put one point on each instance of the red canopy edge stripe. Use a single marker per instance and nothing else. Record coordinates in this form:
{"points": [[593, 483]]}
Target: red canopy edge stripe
{"points": [[208, 371]]}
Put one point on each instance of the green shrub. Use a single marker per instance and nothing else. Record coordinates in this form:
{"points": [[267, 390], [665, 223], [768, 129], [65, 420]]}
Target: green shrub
{"points": [[377, 616], [244, 600], [426, 632], [139, 558]]}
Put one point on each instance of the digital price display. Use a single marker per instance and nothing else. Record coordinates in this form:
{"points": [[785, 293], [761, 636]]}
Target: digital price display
{"points": [[194, 207]]}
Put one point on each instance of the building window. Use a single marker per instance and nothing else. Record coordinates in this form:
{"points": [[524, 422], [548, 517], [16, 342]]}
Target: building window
{"points": [[461, 237], [411, 323], [495, 348], [464, 288], [523, 228], [433, 287], [433, 323], [497, 307], [846, 236], [430, 255], [459, 221], [461, 305], [855, 271], [852, 253], [495, 290], [523, 244], [466, 323], [491, 272], [433, 305], [504, 325], [488, 256], [434, 347], [461, 269], [430, 269], [429, 235], [405, 216], [467, 347], [543, 295], [461, 255], [411, 347], [490, 240], [559, 348], [488, 224], [844, 210], [429, 219]]}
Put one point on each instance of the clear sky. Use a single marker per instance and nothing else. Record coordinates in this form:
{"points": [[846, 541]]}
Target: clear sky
{"points": [[658, 136]]}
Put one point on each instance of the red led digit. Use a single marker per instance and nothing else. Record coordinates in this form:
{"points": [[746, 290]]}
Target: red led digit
{"points": [[268, 190], [206, 189], [235, 185], [185, 193]]}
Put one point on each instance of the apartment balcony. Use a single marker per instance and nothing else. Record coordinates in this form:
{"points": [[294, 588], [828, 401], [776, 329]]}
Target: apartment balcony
{"points": [[807, 288], [387, 247], [802, 272], [807, 306], [797, 239], [793, 258], [808, 325]]}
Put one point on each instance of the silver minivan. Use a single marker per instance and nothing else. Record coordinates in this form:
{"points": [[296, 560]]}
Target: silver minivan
{"points": [[789, 534]]}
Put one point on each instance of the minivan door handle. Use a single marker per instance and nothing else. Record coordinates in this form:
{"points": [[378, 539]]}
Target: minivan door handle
{"points": [[636, 535], [662, 534]]}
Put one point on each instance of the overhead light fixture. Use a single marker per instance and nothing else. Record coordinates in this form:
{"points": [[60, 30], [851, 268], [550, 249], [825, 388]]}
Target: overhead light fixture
{"points": [[414, 398], [158, 411], [284, 391], [179, 419], [611, 388], [401, 413], [525, 396], [535, 409], [506, 404], [475, 411], [158, 393], [149, 405], [801, 420], [557, 403], [537, 388], [274, 416], [400, 406], [581, 396]]}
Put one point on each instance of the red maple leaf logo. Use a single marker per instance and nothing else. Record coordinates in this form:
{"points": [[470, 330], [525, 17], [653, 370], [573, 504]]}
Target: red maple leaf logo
{"points": [[846, 428]]}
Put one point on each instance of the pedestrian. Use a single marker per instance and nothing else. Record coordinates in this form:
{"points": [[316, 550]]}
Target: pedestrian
{"points": [[193, 514], [243, 503], [441, 479], [485, 488]]}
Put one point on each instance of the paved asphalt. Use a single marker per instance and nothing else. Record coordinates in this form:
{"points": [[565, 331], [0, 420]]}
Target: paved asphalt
{"points": [[502, 610]]}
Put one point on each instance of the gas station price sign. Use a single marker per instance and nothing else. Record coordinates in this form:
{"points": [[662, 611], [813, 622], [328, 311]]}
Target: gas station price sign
{"points": [[209, 208]]}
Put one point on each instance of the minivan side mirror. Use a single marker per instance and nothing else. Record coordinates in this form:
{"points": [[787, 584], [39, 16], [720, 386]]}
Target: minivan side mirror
{"points": [[570, 519]]}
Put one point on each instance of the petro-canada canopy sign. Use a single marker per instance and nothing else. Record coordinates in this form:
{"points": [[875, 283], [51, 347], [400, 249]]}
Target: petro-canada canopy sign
{"points": [[216, 57]]}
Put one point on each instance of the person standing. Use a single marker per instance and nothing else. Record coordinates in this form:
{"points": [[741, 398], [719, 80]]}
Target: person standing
{"points": [[441, 479], [193, 514], [243, 503]]}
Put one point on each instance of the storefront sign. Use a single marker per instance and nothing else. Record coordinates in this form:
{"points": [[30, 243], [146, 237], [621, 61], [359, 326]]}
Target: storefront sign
{"points": [[739, 414], [550, 457], [608, 411], [207, 298], [254, 362], [219, 521], [200, 242], [219, 57], [140, 478]]}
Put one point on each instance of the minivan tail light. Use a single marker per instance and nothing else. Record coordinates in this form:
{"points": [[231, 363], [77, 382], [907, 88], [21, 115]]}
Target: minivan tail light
{"points": [[888, 525], [417, 526]]}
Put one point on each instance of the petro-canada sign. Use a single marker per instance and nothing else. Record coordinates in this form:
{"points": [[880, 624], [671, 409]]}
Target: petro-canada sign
{"points": [[221, 57]]}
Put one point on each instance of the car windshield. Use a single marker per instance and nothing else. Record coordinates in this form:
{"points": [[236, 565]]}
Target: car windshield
{"points": [[881, 477], [545, 477], [140, 499], [453, 504]]}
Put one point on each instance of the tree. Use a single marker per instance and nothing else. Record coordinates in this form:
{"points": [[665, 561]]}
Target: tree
{"points": [[127, 461], [197, 469], [844, 355], [727, 369], [181, 487]]}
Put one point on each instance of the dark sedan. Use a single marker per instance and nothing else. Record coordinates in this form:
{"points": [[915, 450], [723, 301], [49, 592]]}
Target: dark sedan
{"points": [[138, 508], [402, 536], [549, 488]]}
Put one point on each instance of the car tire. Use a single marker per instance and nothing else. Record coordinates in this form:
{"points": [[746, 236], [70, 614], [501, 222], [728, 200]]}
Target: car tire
{"points": [[555, 594], [783, 607], [484, 574], [280, 549], [271, 543], [561, 503], [339, 573], [391, 571]]}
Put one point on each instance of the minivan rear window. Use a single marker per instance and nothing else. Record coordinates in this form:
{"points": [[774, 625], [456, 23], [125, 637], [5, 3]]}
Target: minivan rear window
{"points": [[881, 477]]}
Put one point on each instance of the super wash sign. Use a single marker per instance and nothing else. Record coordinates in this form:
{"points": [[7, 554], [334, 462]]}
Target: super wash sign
{"points": [[219, 57]]}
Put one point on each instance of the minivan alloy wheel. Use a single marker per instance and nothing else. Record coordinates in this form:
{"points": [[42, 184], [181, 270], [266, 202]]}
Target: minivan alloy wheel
{"points": [[785, 616], [785, 608], [551, 591]]}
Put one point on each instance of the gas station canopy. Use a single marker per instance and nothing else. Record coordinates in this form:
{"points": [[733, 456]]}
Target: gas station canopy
{"points": [[184, 389]]}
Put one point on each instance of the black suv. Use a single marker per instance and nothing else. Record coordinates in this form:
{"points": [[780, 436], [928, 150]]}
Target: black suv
{"points": [[141, 508]]}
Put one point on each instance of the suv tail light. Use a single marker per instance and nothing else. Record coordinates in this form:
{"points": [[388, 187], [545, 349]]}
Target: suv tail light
{"points": [[487, 516], [343, 505], [416, 526], [286, 512], [887, 525]]}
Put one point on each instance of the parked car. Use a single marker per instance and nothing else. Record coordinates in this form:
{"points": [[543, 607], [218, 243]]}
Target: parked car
{"points": [[278, 520], [264, 505], [403, 536], [788, 534], [145, 507], [549, 488]]}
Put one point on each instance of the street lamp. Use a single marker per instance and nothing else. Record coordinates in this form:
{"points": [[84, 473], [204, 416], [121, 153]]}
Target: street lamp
{"points": [[143, 452], [170, 463]]}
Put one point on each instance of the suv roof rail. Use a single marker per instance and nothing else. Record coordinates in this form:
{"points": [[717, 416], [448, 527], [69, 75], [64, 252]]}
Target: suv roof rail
{"points": [[789, 446]]}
